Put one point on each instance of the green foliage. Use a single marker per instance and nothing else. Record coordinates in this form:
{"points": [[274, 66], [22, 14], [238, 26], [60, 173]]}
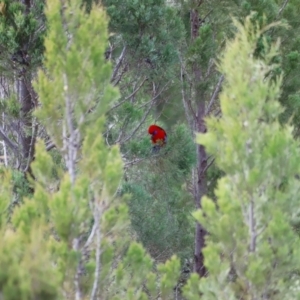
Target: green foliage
{"points": [[10, 106], [71, 239], [252, 249], [148, 28], [204, 47], [149, 32], [5, 195], [23, 32], [21, 185], [160, 202], [93, 74], [27, 270]]}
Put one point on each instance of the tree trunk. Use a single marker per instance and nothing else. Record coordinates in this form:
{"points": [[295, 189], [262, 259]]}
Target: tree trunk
{"points": [[199, 124], [26, 135], [201, 189]]}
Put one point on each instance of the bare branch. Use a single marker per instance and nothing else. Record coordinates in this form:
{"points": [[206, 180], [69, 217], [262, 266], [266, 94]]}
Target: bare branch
{"points": [[121, 75], [91, 236], [208, 165], [211, 64], [145, 115], [136, 90], [8, 141], [4, 152], [282, 7], [50, 146], [252, 227], [188, 102], [215, 94], [32, 143], [128, 97], [133, 162], [154, 98], [184, 101], [140, 124], [118, 65]]}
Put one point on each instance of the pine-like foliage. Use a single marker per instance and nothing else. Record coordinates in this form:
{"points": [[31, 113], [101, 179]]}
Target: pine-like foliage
{"points": [[70, 239], [252, 248], [160, 200]]}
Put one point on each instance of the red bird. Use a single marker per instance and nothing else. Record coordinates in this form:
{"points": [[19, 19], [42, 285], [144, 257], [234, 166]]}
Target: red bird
{"points": [[158, 136]]}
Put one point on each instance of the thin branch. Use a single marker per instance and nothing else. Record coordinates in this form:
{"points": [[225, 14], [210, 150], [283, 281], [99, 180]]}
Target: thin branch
{"points": [[122, 130], [50, 146], [140, 124], [32, 144], [184, 101], [128, 97], [153, 99], [121, 75], [188, 102], [133, 162], [8, 141], [210, 65], [98, 253], [145, 115], [136, 90], [282, 7], [215, 94], [91, 236], [4, 152], [252, 227], [208, 14], [118, 65], [208, 165]]}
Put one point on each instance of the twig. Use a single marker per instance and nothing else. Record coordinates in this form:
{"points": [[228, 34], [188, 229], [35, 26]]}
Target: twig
{"points": [[5, 154], [128, 97], [32, 144], [282, 7], [7, 140], [252, 227], [139, 125], [144, 117], [136, 90], [215, 94], [91, 236], [187, 102], [185, 105], [210, 65], [207, 167], [119, 62], [121, 75], [50, 146], [155, 97], [133, 162]]}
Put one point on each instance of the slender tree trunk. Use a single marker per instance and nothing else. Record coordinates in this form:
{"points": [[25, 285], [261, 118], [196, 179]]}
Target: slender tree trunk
{"points": [[25, 123], [201, 190], [199, 126], [26, 136]]}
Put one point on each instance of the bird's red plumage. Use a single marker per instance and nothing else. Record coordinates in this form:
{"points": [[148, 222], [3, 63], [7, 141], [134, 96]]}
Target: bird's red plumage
{"points": [[158, 134]]}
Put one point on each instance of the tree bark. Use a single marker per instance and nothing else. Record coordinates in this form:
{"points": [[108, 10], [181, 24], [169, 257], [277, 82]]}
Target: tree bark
{"points": [[199, 126], [201, 189], [26, 136], [25, 122]]}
